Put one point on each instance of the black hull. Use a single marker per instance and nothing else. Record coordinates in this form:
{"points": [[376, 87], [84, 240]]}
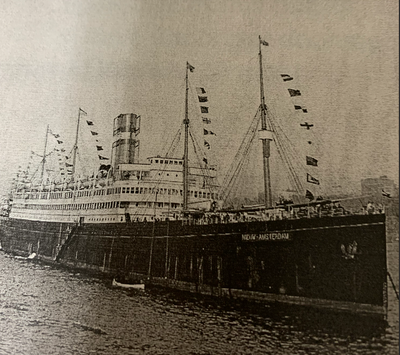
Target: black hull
{"points": [[303, 261]]}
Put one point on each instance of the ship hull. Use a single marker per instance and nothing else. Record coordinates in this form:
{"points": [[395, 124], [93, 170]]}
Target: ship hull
{"points": [[331, 262]]}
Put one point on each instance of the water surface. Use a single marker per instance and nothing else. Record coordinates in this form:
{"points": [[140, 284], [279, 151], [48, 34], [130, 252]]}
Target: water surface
{"points": [[48, 310]]}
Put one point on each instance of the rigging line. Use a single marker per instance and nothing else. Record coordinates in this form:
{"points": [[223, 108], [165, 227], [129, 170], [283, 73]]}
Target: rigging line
{"points": [[195, 151], [272, 117], [234, 180], [285, 146], [205, 171], [243, 163], [285, 159], [241, 148], [177, 135], [284, 155], [171, 150], [34, 173], [236, 163], [155, 186], [285, 142], [242, 160]]}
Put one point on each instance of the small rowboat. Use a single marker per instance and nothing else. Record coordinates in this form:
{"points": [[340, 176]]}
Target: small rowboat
{"points": [[138, 286]]}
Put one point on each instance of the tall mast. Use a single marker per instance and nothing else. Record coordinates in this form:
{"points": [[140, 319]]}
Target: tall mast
{"points": [[265, 135], [44, 154], [186, 145], [76, 143]]}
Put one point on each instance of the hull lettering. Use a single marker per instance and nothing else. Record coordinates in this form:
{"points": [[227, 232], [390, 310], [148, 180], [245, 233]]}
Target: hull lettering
{"points": [[266, 236]]}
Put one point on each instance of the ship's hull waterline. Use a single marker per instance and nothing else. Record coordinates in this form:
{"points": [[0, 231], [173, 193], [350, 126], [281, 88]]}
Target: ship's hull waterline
{"points": [[333, 262]]}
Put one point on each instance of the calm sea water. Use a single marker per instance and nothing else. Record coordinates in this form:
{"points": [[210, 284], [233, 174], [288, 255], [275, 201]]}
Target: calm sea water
{"points": [[46, 310]]}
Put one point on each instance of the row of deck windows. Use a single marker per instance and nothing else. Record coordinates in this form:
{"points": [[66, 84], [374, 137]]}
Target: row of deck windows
{"points": [[145, 190], [166, 161], [124, 190], [99, 205]]}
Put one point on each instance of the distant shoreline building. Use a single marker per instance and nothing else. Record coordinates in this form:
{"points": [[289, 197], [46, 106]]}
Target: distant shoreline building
{"points": [[376, 186]]}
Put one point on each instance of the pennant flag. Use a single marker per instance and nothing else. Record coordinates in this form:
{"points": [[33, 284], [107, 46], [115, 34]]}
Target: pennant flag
{"points": [[204, 109], [207, 144], [90, 123], [264, 43], [206, 120], [190, 67], [297, 107], [200, 91], [386, 194], [307, 125], [208, 132], [312, 180], [102, 158], [94, 133], [205, 160], [294, 92], [60, 142], [311, 161], [82, 111], [286, 77], [99, 147], [309, 195], [203, 98]]}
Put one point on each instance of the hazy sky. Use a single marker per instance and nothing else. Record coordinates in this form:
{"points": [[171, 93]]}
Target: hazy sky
{"points": [[112, 57]]}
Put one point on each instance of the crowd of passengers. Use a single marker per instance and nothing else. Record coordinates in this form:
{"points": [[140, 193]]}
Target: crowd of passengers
{"points": [[315, 211]]}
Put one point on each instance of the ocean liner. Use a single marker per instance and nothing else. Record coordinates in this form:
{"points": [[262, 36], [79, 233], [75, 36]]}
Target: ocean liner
{"points": [[166, 222]]}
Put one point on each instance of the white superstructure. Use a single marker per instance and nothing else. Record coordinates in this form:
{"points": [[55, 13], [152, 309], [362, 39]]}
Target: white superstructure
{"points": [[128, 191]]}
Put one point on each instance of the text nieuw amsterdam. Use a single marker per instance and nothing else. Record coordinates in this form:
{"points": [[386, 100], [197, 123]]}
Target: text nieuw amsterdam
{"points": [[265, 236]]}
